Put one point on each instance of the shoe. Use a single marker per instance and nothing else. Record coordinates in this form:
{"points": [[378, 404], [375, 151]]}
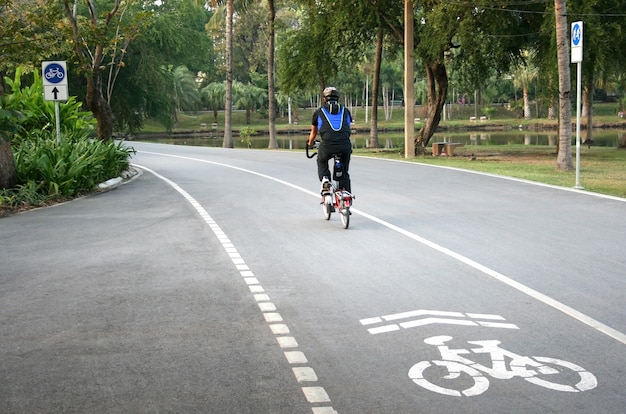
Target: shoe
{"points": [[325, 186]]}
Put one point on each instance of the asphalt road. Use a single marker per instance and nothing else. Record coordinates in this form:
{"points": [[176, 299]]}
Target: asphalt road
{"points": [[211, 283]]}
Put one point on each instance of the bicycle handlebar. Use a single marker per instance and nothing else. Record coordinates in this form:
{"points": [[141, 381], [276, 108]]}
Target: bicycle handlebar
{"points": [[315, 146]]}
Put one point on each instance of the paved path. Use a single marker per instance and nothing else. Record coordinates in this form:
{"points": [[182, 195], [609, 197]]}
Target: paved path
{"points": [[212, 284]]}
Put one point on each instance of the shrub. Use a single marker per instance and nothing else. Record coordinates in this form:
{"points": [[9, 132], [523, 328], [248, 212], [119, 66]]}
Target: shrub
{"points": [[47, 170], [76, 165]]}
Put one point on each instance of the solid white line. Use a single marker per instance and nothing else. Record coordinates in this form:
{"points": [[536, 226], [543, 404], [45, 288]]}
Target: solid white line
{"points": [[573, 313]]}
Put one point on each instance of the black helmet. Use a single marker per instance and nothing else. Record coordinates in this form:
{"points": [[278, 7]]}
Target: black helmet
{"points": [[330, 93]]}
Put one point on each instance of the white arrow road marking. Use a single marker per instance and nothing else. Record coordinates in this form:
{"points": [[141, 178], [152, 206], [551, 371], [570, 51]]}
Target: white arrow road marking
{"points": [[432, 317]]}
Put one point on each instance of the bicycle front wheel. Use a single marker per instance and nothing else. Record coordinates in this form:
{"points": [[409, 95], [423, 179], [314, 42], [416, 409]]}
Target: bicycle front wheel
{"points": [[345, 217], [326, 209], [563, 376]]}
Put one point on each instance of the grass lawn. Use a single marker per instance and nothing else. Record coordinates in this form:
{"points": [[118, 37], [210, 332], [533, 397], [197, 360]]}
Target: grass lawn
{"points": [[602, 169]]}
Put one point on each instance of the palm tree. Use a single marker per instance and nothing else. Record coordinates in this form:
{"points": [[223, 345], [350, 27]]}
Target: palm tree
{"points": [[248, 97], [228, 106], [186, 96], [271, 108], [564, 156], [524, 75], [213, 96]]}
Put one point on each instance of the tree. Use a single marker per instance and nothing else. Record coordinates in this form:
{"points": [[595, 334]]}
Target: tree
{"points": [[186, 96], [564, 155], [606, 32], [525, 72], [228, 111], [271, 93], [248, 97], [213, 95], [92, 39], [373, 141], [8, 125], [172, 35], [472, 39]]}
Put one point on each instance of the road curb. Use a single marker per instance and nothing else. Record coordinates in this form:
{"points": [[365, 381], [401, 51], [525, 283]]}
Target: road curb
{"points": [[125, 177]]}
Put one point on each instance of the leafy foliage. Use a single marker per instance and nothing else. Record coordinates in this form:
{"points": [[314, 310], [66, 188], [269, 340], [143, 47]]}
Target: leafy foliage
{"points": [[47, 170], [75, 166], [38, 114]]}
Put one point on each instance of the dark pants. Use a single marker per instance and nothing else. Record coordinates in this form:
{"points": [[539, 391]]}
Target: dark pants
{"points": [[326, 152]]}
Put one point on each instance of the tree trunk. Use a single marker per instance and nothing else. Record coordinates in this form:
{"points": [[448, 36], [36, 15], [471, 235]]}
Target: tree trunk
{"points": [[527, 115], [564, 156], [99, 106], [373, 142], [273, 143], [228, 108], [437, 79], [8, 173]]}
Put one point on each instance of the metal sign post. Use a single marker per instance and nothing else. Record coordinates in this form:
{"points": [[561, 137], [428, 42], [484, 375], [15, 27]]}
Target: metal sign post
{"points": [[54, 76], [577, 57]]}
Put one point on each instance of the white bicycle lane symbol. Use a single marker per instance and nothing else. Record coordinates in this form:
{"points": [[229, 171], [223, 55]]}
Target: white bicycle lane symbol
{"points": [[449, 370], [55, 74]]}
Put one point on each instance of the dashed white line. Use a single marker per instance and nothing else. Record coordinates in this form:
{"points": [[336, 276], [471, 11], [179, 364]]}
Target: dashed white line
{"points": [[303, 374], [296, 357], [315, 394]]}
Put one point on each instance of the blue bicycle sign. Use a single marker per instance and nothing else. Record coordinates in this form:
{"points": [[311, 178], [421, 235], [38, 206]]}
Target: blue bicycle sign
{"points": [[54, 73], [576, 34]]}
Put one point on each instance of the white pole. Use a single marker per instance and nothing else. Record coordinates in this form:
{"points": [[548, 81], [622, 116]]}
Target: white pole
{"points": [[367, 94], [578, 92], [58, 121]]}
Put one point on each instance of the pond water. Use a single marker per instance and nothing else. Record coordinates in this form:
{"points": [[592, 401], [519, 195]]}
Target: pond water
{"points": [[601, 137]]}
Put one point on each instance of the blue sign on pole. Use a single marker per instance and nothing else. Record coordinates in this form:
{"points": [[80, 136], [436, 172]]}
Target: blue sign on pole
{"points": [[577, 42], [54, 73], [576, 34]]}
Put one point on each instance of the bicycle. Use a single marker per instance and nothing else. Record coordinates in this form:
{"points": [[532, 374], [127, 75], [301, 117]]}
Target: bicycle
{"points": [[334, 198], [542, 371]]}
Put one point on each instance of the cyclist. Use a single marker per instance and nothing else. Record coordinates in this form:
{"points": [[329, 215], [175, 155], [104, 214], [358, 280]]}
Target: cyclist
{"points": [[332, 121]]}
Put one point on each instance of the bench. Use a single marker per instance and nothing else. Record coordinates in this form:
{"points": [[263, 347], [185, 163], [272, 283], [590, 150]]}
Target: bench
{"points": [[445, 148]]}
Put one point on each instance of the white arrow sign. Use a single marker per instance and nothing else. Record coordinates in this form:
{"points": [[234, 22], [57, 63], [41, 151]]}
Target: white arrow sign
{"points": [[55, 93]]}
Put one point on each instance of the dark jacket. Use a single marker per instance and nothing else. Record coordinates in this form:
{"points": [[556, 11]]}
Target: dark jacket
{"points": [[333, 123]]}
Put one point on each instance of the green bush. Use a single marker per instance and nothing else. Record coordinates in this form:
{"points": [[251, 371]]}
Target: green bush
{"points": [[76, 165], [47, 170]]}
